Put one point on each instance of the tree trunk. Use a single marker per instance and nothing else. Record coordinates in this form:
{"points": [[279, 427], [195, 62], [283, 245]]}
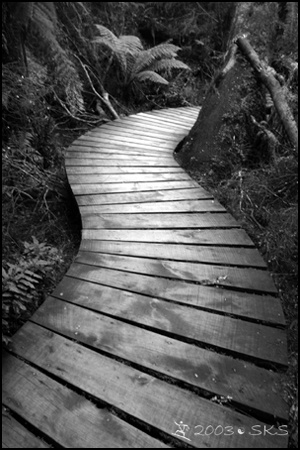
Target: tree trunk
{"points": [[210, 137], [205, 140]]}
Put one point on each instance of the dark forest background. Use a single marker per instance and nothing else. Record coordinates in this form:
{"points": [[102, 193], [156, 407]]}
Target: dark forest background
{"points": [[70, 66]]}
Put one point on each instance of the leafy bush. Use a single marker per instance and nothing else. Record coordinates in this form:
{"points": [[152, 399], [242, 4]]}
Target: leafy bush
{"points": [[21, 281]]}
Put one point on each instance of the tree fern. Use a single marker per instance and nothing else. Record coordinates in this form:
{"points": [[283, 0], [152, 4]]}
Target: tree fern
{"points": [[137, 64], [148, 57]]}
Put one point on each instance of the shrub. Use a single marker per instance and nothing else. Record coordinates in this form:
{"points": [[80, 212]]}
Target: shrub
{"points": [[21, 281]]}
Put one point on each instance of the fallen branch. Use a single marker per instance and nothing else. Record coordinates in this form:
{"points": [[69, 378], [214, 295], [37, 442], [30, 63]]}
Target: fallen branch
{"points": [[104, 97], [266, 74]]}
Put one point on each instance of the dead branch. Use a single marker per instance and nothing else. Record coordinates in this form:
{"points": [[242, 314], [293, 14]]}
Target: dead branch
{"points": [[104, 97], [266, 74]]}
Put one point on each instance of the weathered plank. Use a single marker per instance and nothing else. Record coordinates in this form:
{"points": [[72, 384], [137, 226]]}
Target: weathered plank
{"points": [[147, 143], [187, 206], [239, 304], [184, 116], [79, 189], [151, 221], [15, 435], [127, 178], [122, 134], [207, 275], [143, 396], [66, 417], [144, 197], [191, 253], [77, 150], [167, 119], [233, 237], [120, 170], [132, 127], [171, 124], [155, 125], [136, 344], [125, 156], [128, 162]]}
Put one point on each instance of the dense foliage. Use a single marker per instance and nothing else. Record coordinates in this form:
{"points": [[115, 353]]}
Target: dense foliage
{"points": [[69, 66]]}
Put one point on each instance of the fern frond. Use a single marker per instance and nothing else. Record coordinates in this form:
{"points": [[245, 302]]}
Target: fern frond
{"points": [[106, 36], [149, 75], [148, 57], [109, 40], [130, 44], [167, 65]]}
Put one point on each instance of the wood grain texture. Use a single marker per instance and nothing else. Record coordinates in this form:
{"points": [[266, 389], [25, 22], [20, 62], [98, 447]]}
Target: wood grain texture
{"points": [[204, 274], [65, 416], [168, 314], [15, 435], [143, 197], [188, 253], [154, 221], [143, 396], [135, 344], [208, 297], [188, 206], [233, 237]]}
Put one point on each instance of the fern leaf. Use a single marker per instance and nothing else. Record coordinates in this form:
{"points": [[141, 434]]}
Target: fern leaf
{"points": [[107, 36], [151, 76], [108, 39], [167, 65], [130, 44], [148, 57]]}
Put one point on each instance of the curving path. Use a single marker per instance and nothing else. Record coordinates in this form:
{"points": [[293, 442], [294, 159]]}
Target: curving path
{"points": [[167, 329]]}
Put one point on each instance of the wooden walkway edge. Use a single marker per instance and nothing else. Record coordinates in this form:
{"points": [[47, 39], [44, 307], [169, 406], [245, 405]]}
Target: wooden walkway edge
{"points": [[167, 330]]}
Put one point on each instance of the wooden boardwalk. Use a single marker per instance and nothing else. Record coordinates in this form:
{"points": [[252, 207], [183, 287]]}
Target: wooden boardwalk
{"points": [[167, 330]]}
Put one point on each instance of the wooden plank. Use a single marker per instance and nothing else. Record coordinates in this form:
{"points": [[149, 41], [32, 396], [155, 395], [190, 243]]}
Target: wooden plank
{"points": [[65, 416], [235, 238], [92, 151], [206, 275], [188, 123], [127, 178], [147, 118], [14, 435], [123, 130], [131, 126], [173, 112], [191, 253], [139, 122], [114, 170], [183, 115], [170, 117], [122, 134], [143, 396], [143, 197], [147, 143], [187, 206], [126, 157], [115, 162], [150, 221], [239, 304], [136, 344], [89, 189]]}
